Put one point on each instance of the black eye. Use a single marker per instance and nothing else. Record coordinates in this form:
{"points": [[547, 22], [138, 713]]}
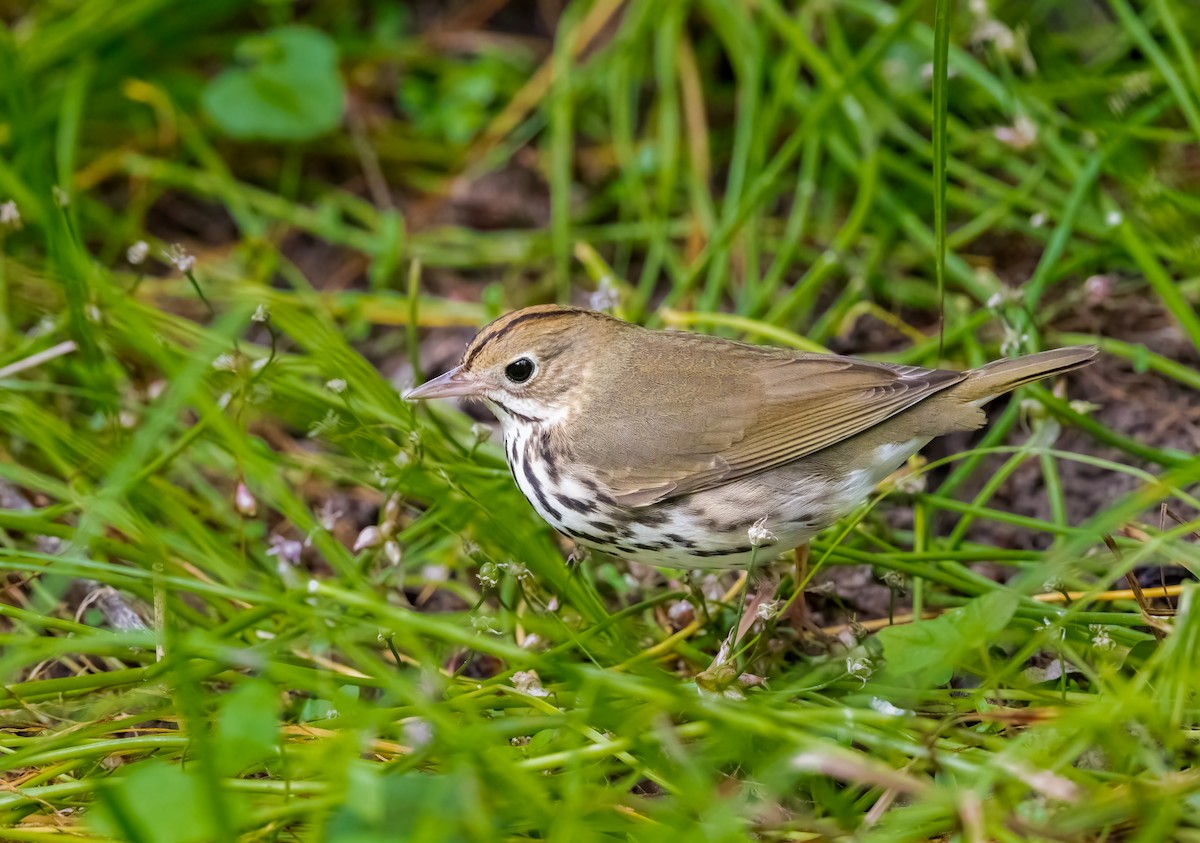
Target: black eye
{"points": [[519, 370]]}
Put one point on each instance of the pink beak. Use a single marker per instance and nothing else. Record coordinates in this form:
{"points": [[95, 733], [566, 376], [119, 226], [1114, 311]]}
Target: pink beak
{"points": [[455, 382]]}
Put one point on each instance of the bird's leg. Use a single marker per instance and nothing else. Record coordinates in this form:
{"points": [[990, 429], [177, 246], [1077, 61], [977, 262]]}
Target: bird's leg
{"points": [[797, 611], [723, 673]]}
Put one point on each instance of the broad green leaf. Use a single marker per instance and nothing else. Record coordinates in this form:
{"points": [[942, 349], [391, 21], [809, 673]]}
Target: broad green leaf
{"points": [[290, 90], [156, 802], [413, 806], [247, 729], [930, 650]]}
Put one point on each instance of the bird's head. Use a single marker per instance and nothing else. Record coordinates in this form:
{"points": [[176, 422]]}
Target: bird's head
{"points": [[531, 365]]}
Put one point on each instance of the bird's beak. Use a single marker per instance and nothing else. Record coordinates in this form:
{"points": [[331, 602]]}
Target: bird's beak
{"points": [[455, 382]]}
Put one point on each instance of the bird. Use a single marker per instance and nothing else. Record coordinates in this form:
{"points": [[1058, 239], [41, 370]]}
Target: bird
{"points": [[682, 450]]}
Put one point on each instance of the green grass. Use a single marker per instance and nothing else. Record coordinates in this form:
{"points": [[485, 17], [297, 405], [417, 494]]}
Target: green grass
{"points": [[775, 171]]}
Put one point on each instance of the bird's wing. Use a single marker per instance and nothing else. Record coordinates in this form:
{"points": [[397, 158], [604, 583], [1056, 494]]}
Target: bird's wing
{"points": [[746, 412]]}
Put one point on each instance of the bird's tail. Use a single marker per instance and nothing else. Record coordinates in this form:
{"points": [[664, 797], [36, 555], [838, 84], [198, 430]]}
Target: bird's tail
{"points": [[995, 379]]}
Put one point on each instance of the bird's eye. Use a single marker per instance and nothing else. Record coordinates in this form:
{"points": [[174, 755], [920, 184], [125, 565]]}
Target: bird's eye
{"points": [[519, 370]]}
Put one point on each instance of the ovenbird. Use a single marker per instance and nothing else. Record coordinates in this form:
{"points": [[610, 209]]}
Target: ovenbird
{"points": [[668, 447]]}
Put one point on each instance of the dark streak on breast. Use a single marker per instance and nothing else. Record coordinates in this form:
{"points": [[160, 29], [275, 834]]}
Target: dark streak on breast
{"points": [[724, 552], [580, 506], [680, 540], [527, 468]]}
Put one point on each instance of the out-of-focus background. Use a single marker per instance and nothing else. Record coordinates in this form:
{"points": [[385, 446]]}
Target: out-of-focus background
{"points": [[248, 592]]}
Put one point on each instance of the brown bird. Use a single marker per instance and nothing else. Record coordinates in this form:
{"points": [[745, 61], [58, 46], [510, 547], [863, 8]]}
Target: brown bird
{"points": [[668, 447]]}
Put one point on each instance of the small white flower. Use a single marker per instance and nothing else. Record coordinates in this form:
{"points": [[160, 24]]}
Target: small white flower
{"points": [[485, 623], [997, 33], [92, 312], [1113, 218], [1021, 135], [528, 682], [607, 296], [1101, 639], [860, 667], [137, 253], [336, 385], [313, 586], [10, 215], [515, 570], [418, 732], [533, 641], [1049, 626], [369, 537], [1098, 287], [180, 258], [328, 515], [61, 198], [393, 553], [1003, 295], [759, 534], [1012, 341], [767, 610], [225, 363], [261, 314], [244, 502], [489, 575], [285, 549], [1038, 220]]}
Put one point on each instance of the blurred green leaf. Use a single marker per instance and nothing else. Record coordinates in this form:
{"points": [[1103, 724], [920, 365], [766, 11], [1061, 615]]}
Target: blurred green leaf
{"points": [[155, 802], [247, 730], [929, 650], [414, 806], [291, 90], [458, 101]]}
